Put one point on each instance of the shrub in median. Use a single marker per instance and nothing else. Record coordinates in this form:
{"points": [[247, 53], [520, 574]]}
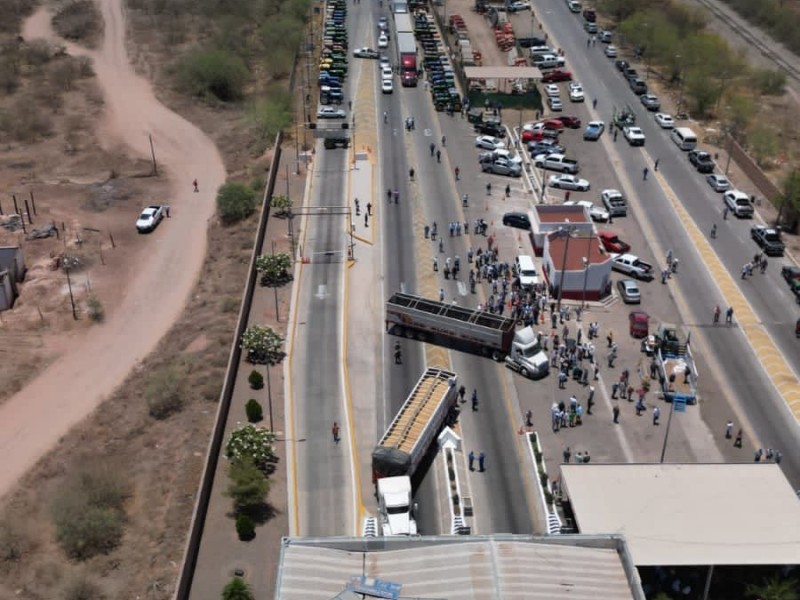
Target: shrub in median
{"points": [[245, 528], [256, 380], [254, 411]]}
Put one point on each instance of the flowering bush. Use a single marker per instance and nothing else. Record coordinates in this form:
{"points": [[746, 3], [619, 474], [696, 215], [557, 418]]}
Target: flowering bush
{"points": [[262, 344], [274, 268], [281, 204], [251, 442]]}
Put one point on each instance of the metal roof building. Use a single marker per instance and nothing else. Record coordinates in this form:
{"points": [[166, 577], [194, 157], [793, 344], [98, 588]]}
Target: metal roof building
{"points": [[458, 567], [689, 514]]}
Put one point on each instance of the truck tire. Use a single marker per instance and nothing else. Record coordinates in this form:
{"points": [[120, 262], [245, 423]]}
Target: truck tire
{"points": [[409, 333], [399, 330], [524, 372], [421, 336], [498, 356]]}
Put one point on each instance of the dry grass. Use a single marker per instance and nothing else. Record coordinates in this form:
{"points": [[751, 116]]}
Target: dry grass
{"points": [[164, 458]]}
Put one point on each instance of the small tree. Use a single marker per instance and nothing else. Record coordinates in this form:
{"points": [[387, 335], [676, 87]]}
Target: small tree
{"points": [[775, 589], [245, 528], [274, 268], [95, 310], [214, 73], [235, 202], [281, 204], [237, 589], [251, 443], [256, 380], [248, 485], [254, 411], [164, 392], [262, 344]]}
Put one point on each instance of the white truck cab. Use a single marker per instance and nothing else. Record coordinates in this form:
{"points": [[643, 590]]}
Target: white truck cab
{"points": [[394, 504]]}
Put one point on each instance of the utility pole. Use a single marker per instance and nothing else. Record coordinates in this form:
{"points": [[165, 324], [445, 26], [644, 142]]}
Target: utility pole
{"points": [[153, 154]]}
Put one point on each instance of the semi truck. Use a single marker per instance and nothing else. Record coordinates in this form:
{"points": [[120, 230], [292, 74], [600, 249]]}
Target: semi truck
{"points": [[407, 56], [395, 508], [676, 368], [471, 329]]}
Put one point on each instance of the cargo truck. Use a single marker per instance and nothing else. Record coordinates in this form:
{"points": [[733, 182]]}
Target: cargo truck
{"points": [[470, 329], [407, 55], [414, 428], [676, 368]]}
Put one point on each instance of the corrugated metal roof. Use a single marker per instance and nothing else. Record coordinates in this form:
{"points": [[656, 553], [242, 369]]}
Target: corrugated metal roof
{"points": [[460, 568]]}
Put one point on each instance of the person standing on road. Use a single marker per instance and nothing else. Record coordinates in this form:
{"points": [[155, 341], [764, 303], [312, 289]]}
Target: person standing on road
{"points": [[615, 412], [717, 312], [725, 213], [656, 415], [481, 462], [737, 443], [194, 183], [729, 430], [567, 455], [474, 400], [444, 141], [471, 460], [438, 156], [714, 231], [335, 432], [433, 148], [529, 418], [645, 171], [462, 391], [590, 400], [655, 165], [457, 172], [729, 316]]}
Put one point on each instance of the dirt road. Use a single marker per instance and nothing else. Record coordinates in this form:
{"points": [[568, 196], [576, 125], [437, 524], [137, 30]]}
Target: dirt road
{"points": [[33, 420]]}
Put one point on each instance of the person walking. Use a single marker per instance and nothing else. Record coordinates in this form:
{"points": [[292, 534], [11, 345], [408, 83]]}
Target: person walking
{"points": [[645, 171], [433, 148], [655, 164], [656, 415], [369, 208], [462, 391], [567, 455], [398, 354], [457, 172], [725, 213], [717, 312], [488, 189], [615, 412], [729, 430], [614, 389], [481, 462], [438, 156], [737, 443], [729, 316], [435, 264], [335, 432], [590, 400], [508, 191], [194, 183], [411, 174], [714, 231], [444, 141], [474, 400], [471, 460], [529, 418]]}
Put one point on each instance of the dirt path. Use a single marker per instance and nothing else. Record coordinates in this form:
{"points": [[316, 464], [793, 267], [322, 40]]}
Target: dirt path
{"points": [[33, 420]]}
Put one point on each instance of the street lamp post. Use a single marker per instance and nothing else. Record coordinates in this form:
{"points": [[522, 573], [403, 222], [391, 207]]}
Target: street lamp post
{"points": [[729, 131], [585, 279], [541, 187]]}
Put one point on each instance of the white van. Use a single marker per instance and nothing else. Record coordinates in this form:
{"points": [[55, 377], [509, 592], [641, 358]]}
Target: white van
{"points": [[684, 138], [527, 272], [540, 50]]}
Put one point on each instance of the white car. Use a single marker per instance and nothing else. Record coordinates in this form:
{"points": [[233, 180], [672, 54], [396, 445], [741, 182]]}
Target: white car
{"points": [[387, 87], [551, 90], [596, 213], [150, 218], [488, 142], [555, 104], [383, 41], [503, 153], [386, 72], [329, 112], [518, 6], [634, 135], [576, 93], [665, 121], [383, 61], [365, 52], [611, 51], [568, 182], [718, 183]]}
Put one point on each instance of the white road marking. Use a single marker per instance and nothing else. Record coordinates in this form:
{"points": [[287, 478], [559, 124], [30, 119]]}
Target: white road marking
{"points": [[322, 291]]}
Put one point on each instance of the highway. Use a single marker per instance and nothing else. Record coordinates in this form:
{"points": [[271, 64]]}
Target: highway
{"points": [[775, 309]]}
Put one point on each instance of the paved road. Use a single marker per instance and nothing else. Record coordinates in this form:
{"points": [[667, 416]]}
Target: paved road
{"points": [[698, 291]]}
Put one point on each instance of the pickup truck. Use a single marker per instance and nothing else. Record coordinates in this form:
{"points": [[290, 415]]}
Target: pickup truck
{"points": [[769, 238], [493, 128], [615, 202], [556, 162], [702, 161], [632, 265]]}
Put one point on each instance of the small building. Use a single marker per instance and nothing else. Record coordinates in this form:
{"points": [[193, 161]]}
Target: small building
{"points": [[579, 259], [12, 273], [547, 218]]}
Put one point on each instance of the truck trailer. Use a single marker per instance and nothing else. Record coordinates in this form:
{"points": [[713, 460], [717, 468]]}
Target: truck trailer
{"points": [[470, 329], [407, 56], [414, 428]]}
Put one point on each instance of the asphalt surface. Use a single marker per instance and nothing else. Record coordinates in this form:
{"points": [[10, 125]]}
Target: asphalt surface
{"points": [[777, 311]]}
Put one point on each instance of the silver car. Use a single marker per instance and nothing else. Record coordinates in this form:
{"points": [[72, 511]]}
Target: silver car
{"points": [[718, 183]]}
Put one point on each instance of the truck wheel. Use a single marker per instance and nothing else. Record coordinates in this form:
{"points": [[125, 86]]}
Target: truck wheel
{"points": [[409, 333], [497, 356], [524, 372], [421, 336], [399, 330]]}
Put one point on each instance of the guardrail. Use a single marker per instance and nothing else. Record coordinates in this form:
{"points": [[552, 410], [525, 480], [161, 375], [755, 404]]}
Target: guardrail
{"points": [[218, 434]]}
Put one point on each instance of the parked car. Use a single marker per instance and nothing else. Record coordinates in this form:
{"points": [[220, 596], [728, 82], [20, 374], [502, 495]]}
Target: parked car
{"points": [[517, 219], [739, 203], [611, 51], [638, 324], [634, 135], [569, 121], [615, 202], [665, 121], [629, 291], [383, 41], [556, 76], [621, 65], [605, 36], [612, 243], [702, 161], [792, 276], [329, 112], [718, 183], [769, 239], [517, 6], [502, 166], [593, 131], [596, 213], [500, 153], [638, 86], [551, 90], [650, 102], [488, 142], [590, 27], [576, 93], [568, 182], [530, 42], [150, 218], [545, 146], [555, 104], [365, 53], [492, 128]]}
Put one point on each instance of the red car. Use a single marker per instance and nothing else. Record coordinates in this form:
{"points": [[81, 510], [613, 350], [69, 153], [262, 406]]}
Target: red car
{"points": [[555, 124], [556, 76], [568, 121], [612, 243], [532, 136]]}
